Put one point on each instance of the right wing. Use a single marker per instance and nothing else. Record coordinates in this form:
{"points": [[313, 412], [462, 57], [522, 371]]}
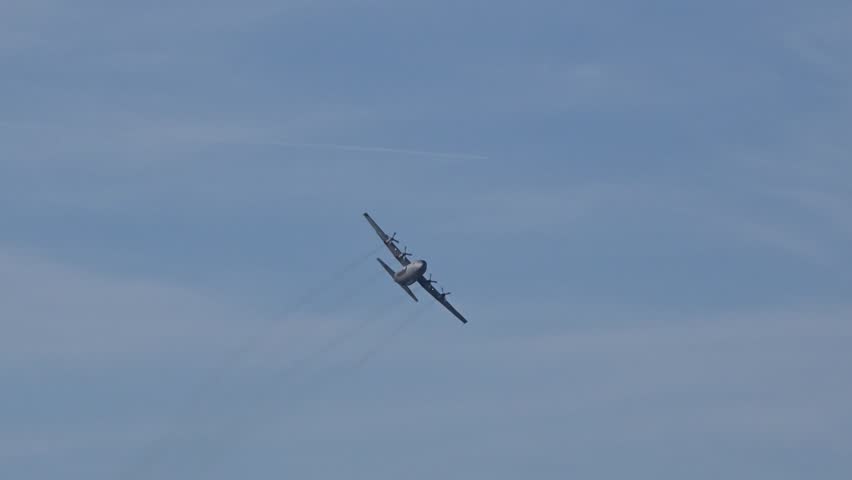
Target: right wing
{"points": [[387, 241], [440, 297]]}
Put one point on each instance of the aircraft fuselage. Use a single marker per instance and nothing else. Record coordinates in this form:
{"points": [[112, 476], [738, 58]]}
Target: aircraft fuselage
{"points": [[410, 273]]}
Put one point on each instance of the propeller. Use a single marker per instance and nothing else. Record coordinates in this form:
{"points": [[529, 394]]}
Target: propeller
{"points": [[392, 239], [444, 294], [404, 253], [430, 281]]}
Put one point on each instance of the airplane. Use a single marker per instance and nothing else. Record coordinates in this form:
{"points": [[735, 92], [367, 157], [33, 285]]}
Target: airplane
{"points": [[412, 271]]}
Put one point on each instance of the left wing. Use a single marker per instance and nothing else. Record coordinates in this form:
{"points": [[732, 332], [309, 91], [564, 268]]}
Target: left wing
{"points": [[389, 242], [440, 297]]}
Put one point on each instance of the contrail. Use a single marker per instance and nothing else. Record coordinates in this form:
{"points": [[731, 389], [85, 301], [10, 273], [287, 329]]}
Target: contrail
{"points": [[329, 146], [345, 335], [262, 334], [230, 436], [371, 149], [145, 462], [363, 359], [355, 290]]}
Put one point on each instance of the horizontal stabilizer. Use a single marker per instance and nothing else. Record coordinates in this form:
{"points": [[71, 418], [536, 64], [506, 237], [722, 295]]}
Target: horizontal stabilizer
{"points": [[409, 291], [387, 268]]}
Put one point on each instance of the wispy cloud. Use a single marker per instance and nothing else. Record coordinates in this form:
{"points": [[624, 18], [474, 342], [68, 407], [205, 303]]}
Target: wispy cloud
{"points": [[60, 314], [374, 149], [738, 217], [63, 314], [821, 37], [646, 221]]}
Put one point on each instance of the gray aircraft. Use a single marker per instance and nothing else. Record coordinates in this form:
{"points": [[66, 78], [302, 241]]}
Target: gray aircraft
{"points": [[412, 271]]}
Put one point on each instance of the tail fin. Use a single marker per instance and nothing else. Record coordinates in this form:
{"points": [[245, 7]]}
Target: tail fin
{"points": [[408, 290], [387, 268], [391, 273]]}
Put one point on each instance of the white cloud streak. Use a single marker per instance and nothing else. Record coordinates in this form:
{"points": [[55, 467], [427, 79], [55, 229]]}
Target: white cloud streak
{"points": [[374, 149]]}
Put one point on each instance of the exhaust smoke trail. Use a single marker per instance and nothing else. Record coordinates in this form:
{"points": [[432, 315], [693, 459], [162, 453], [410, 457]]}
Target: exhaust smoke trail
{"points": [[231, 436], [354, 290], [377, 348], [156, 448], [375, 315], [302, 302]]}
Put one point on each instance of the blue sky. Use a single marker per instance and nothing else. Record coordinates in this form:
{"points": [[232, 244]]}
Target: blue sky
{"points": [[644, 209]]}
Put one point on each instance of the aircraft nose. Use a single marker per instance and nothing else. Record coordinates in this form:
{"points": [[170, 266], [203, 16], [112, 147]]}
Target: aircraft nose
{"points": [[423, 265]]}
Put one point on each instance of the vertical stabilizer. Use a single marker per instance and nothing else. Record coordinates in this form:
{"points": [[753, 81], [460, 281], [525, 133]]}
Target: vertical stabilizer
{"points": [[387, 268]]}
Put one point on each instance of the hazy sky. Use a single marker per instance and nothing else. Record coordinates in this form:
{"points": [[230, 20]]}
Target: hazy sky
{"points": [[644, 209]]}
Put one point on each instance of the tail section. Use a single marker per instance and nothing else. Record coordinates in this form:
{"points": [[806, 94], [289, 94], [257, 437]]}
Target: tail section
{"points": [[391, 273], [387, 268], [408, 290]]}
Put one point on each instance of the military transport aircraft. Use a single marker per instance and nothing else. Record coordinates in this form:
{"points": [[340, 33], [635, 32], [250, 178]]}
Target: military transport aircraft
{"points": [[412, 271]]}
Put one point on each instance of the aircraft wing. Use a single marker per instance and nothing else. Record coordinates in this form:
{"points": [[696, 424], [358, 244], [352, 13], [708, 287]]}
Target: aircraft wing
{"points": [[387, 241], [441, 298]]}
